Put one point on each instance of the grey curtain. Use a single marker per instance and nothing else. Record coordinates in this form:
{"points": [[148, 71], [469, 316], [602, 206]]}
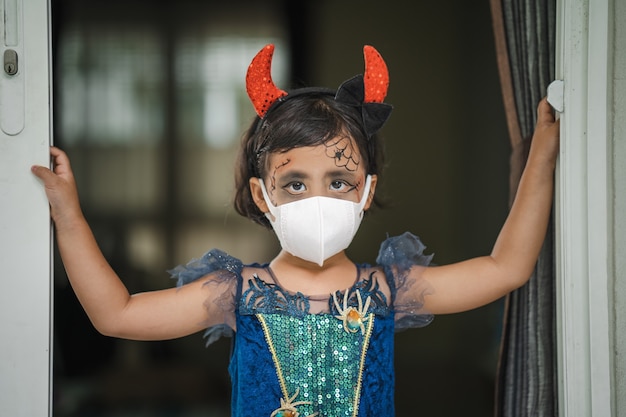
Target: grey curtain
{"points": [[525, 42]]}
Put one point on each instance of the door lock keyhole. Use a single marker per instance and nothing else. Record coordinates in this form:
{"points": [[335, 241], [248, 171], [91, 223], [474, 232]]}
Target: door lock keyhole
{"points": [[10, 62]]}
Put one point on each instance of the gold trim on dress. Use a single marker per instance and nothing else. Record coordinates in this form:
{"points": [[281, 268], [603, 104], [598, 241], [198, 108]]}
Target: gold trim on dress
{"points": [[366, 342]]}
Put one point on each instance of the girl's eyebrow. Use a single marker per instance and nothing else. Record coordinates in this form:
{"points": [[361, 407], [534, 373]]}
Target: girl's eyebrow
{"points": [[291, 175], [341, 172]]}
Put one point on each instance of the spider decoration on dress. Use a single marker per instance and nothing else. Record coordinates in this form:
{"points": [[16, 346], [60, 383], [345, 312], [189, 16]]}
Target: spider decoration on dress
{"points": [[353, 318], [288, 408]]}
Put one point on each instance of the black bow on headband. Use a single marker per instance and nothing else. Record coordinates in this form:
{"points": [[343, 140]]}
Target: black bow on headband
{"points": [[352, 92]]}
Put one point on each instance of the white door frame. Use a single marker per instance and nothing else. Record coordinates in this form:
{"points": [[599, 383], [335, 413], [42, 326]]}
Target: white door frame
{"points": [[583, 208], [25, 233]]}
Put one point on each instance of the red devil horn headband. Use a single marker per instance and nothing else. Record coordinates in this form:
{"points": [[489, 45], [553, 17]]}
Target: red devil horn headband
{"points": [[367, 91], [259, 84], [376, 78]]}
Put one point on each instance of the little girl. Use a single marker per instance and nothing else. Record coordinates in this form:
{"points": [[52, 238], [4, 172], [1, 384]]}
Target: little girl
{"points": [[312, 331]]}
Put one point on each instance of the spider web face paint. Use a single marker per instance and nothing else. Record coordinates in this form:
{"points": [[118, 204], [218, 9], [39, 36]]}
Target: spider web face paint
{"points": [[356, 187], [273, 176], [343, 151]]}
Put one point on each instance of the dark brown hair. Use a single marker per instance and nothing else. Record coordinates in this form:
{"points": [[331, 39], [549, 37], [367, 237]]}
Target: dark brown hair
{"points": [[307, 119]]}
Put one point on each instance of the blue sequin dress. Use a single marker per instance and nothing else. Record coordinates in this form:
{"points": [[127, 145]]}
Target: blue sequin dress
{"points": [[297, 355]]}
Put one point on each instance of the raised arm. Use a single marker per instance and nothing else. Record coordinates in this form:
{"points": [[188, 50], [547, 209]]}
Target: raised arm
{"points": [[476, 282], [113, 311]]}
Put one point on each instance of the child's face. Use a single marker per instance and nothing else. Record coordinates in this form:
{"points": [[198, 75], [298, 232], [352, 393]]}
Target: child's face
{"points": [[334, 169]]}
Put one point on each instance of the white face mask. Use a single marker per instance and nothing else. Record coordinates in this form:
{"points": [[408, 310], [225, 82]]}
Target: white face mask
{"points": [[316, 228]]}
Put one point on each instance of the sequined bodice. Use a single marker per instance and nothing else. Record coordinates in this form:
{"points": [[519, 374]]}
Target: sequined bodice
{"points": [[318, 363]]}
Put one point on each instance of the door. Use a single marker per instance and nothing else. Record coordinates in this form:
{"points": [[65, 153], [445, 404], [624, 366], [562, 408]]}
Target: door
{"points": [[25, 234]]}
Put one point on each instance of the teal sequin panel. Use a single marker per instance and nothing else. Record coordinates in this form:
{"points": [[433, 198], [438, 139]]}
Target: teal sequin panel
{"points": [[317, 356]]}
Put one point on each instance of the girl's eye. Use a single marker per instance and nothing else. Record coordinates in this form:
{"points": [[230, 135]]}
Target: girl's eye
{"points": [[338, 185], [295, 187]]}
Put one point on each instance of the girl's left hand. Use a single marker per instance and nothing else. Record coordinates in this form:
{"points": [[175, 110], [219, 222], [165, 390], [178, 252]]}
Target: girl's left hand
{"points": [[545, 143]]}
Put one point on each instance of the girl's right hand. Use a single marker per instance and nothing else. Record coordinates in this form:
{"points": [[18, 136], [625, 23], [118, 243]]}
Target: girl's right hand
{"points": [[60, 188], [152, 315]]}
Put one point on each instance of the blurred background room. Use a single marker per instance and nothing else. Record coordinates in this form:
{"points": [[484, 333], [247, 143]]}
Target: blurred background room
{"points": [[150, 104]]}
